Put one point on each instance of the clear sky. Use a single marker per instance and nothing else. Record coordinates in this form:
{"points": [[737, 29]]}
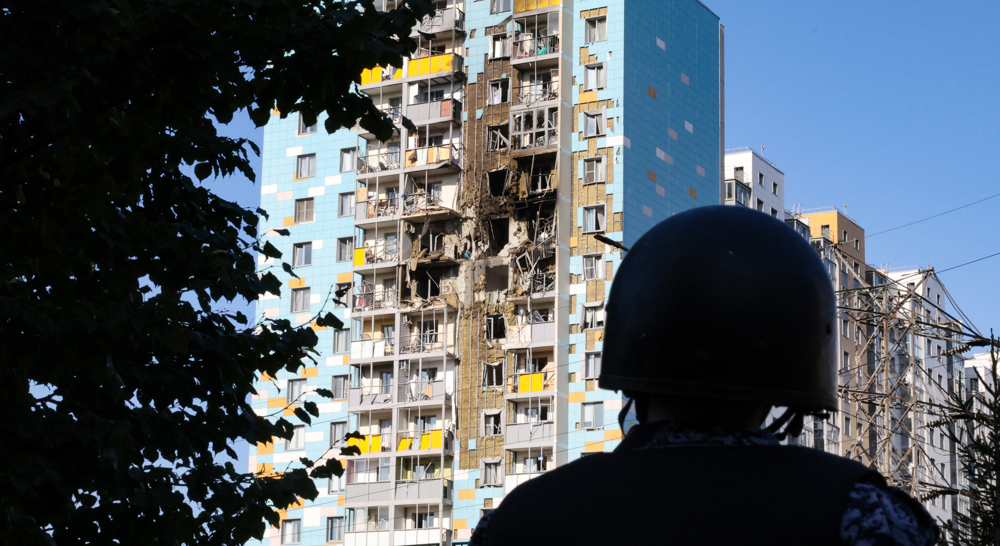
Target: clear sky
{"points": [[892, 108]]}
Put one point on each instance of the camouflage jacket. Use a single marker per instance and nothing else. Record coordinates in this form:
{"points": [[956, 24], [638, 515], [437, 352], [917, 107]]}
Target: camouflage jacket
{"points": [[876, 515]]}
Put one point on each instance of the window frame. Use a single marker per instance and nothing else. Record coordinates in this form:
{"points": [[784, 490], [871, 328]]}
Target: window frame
{"points": [[601, 124], [774, 188], [598, 266], [592, 371], [302, 297], [303, 129], [342, 335], [348, 254], [341, 527], [299, 390], [345, 381], [297, 252], [340, 204], [495, 4], [298, 433], [597, 316], [601, 76], [589, 35], [338, 440], [348, 295], [598, 174], [308, 162], [305, 210], [352, 154], [600, 218], [295, 538], [597, 411]]}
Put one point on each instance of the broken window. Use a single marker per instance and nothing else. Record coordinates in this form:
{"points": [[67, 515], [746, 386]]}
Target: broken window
{"points": [[428, 283], [496, 278], [595, 76], [500, 46], [499, 6], [498, 92], [594, 124], [593, 218], [593, 315], [499, 234], [499, 138], [496, 326], [492, 374], [595, 170], [535, 128], [593, 267], [492, 425]]}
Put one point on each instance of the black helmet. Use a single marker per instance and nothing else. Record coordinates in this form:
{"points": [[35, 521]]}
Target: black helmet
{"points": [[723, 302]]}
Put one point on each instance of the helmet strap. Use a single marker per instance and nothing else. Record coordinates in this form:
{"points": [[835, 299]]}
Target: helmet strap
{"points": [[641, 409]]}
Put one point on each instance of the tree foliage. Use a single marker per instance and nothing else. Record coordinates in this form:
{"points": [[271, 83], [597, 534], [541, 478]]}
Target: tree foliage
{"points": [[117, 390], [972, 421]]}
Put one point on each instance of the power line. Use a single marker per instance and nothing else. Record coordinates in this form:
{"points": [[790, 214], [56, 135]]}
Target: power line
{"points": [[967, 263], [932, 217]]}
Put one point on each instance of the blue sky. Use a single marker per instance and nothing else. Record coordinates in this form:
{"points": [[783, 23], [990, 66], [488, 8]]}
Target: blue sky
{"points": [[888, 107]]}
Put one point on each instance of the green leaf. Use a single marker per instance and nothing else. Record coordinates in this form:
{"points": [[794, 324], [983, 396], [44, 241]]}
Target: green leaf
{"points": [[270, 251], [301, 414], [203, 171], [329, 320], [311, 408], [325, 393]]}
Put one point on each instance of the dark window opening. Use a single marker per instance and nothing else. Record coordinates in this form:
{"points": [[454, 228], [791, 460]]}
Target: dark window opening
{"points": [[499, 234], [498, 182]]}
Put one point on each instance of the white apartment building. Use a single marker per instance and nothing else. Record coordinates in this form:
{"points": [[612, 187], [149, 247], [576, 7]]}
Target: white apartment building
{"points": [[752, 181]]}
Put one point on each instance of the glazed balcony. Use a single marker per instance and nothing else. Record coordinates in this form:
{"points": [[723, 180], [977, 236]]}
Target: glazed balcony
{"points": [[425, 440], [536, 333], [423, 391], [425, 65], [419, 537], [528, 383], [534, 94], [437, 111], [368, 348], [525, 434], [426, 490], [372, 443], [378, 161], [442, 22]]}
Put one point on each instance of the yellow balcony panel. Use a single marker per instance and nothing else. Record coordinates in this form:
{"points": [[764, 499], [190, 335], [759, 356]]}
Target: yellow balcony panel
{"points": [[359, 256]]}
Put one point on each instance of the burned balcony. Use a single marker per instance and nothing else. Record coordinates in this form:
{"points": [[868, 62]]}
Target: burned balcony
{"points": [[430, 199], [536, 272], [444, 20], [434, 157], [534, 130], [428, 337], [536, 38]]}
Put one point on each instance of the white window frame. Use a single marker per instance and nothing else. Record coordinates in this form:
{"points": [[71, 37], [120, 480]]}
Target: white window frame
{"points": [[302, 254], [599, 80], [298, 440], [337, 439], [500, 6], [336, 484], [596, 415], [304, 129], [492, 424], [592, 365], [594, 219], [600, 126], [296, 390], [499, 91], [341, 212], [491, 474], [593, 267], [774, 188], [351, 155], [348, 254], [342, 341], [593, 315], [595, 170], [345, 384], [500, 45], [305, 210], [305, 166], [594, 30], [291, 531], [340, 527], [301, 300]]}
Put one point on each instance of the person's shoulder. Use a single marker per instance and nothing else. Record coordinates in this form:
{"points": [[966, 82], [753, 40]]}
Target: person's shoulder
{"points": [[877, 514]]}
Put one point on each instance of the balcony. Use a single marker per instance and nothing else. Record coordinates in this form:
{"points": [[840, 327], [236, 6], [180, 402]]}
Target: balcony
{"points": [[446, 64], [368, 538], [369, 397], [737, 193], [423, 390], [434, 157], [542, 432], [531, 48], [528, 5], [374, 211], [415, 537], [428, 342], [526, 383], [531, 94], [425, 440], [524, 465], [379, 75], [443, 21], [378, 161], [380, 252], [438, 111], [394, 113], [366, 347], [373, 298], [534, 333], [424, 490], [372, 443], [534, 130]]}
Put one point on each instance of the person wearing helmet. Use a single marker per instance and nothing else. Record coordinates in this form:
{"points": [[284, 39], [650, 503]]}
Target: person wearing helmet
{"points": [[716, 316]]}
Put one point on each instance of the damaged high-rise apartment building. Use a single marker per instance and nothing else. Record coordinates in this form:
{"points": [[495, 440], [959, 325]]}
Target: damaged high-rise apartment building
{"points": [[474, 287]]}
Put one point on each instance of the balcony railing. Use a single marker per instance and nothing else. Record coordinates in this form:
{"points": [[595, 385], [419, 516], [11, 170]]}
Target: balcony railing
{"points": [[421, 202], [416, 391], [521, 383], [371, 348], [371, 299], [423, 64], [428, 342], [426, 488], [370, 395], [378, 161], [415, 537], [738, 175], [380, 74], [536, 46], [376, 208], [542, 431], [424, 440], [378, 253], [375, 443], [530, 94], [434, 155], [444, 108]]}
